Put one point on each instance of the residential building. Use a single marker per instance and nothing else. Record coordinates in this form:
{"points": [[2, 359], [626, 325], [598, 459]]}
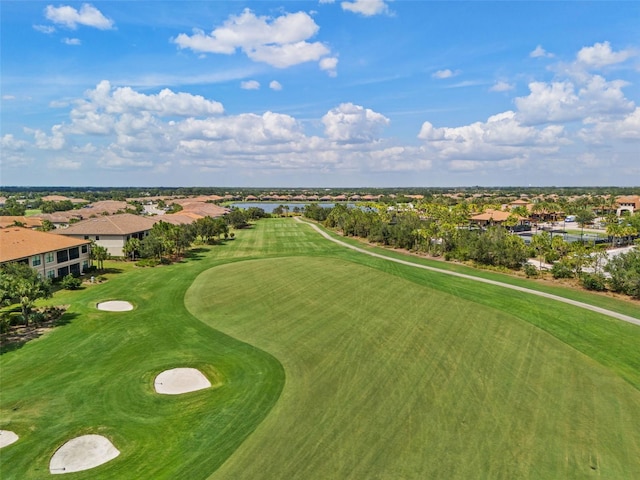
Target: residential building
{"points": [[629, 203], [110, 231], [50, 255]]}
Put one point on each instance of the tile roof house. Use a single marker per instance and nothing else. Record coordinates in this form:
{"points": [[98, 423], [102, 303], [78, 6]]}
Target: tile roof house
{"points": [[495, 217], [630, 203], [110, 231], [51, 255], [28, 222]]}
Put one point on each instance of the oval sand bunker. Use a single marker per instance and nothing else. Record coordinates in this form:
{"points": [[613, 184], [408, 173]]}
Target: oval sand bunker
{"points": [[180, 380], [7, 437], [115, 306], [82, 453]]}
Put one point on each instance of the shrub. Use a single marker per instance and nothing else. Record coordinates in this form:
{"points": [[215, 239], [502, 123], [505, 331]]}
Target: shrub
{"points": [[561, 270], [147, 262], [593, 281], [530, 270], [71, 283]]}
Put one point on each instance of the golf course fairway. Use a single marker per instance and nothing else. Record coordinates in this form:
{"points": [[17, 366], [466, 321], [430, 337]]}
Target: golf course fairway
{"points": [[326, 363]]}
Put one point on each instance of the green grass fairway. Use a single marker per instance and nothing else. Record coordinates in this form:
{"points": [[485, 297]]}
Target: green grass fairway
{"points": [[329, 364]]}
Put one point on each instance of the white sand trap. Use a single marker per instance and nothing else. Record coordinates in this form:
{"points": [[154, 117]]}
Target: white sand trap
{"points": [[115, 306], [7, 437], [82, 453], [180, 380]]}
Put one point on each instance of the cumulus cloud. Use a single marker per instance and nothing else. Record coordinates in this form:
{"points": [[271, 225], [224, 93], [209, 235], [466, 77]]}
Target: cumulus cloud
{"points": [[560, 102], [71, 41], [165, 103], [601, 55], [501, 86], [69, 17], [349, 123], [55, 141], [280, 42], [539, 52], [250, 85], [329, 65], [275, 85], [9, 143], [447, 73], [501, 137], [603, 129], [366, 8]]}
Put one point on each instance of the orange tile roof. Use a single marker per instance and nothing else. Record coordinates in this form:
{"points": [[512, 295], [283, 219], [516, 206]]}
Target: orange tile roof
{"points": [[29, 222], [122, 224], [17, 243]]}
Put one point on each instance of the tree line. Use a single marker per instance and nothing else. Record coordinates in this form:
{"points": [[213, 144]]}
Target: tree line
{"points": [[441, 230]]}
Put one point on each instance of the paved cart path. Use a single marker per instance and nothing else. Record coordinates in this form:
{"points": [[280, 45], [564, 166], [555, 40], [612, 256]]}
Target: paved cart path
{"points": [[604, 311]]}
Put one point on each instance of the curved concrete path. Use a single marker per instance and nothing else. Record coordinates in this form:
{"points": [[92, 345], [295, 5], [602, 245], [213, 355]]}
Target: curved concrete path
{"points": [[604, 311]]}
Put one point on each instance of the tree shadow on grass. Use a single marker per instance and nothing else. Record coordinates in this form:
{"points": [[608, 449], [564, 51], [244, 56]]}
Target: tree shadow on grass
{"points": [[19, 335]]}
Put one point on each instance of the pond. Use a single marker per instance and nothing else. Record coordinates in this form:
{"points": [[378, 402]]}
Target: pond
{"points": [[268, 207]]}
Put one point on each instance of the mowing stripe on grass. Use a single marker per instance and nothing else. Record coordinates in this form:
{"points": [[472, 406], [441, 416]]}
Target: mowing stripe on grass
{"points": [[604, 311]]}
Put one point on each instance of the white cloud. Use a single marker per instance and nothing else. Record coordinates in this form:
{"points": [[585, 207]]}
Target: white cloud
{"points": [[559, 101], [10, 143], [447, 73], [329, 65], [275, 85], [501, 137], [55, 141], [47, 29], [88, 15], [165, 103], [539, 52], [600, 55], [71, 41], [603, 129], [8, 97], [351, 123], [280, 42], [367, 8], [250, 85], [501, 86]]}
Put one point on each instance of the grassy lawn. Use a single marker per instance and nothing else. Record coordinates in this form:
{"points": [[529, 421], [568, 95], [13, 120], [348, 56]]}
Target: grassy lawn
{"points": [[329, 364]]}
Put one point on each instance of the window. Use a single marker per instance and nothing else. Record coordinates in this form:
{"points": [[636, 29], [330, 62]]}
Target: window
{"points": [[49, 257], [97, 237], [36, 260], [84, 249], [86, 237], [85, 266], [63, 272], [63, 256], [74, 253], [51, 274], [75, 269]]}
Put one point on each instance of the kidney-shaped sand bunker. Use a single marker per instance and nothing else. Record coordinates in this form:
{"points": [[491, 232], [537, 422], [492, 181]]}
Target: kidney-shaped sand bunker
{"points": [[82, 453], [180, 380]]}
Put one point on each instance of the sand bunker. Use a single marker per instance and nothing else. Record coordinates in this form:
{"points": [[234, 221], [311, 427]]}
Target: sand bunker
{"points": [[180, 380], [115, 306], [7, 437], [82, 453]]}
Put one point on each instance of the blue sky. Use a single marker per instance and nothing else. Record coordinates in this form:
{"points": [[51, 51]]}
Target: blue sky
{"points": [[324, 93]]}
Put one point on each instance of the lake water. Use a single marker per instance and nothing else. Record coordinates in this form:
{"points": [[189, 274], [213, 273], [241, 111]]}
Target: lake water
{"points": [[268, 207]]}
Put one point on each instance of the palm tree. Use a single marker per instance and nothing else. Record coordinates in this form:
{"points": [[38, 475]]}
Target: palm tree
{"points": [[99, 254]]}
